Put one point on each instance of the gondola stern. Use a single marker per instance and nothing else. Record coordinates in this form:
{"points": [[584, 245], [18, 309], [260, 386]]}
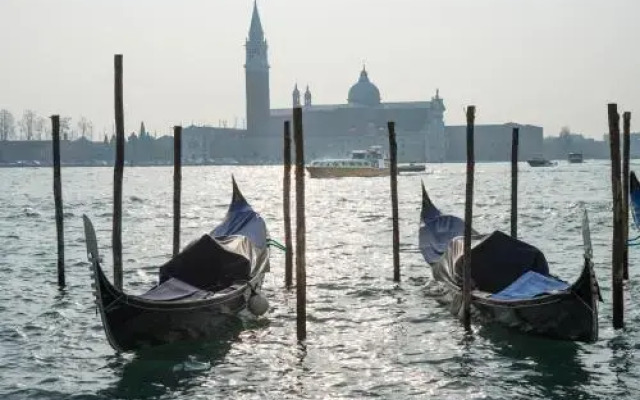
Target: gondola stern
{"points": [[237, 197], [104, 292], [587, 289], [428, 208]]}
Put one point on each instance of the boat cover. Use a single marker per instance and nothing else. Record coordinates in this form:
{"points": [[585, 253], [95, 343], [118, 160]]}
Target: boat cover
{"points": [[498, 260], [530, 285], [436, 233], [209, 264], [242, 220], [174, 289]]}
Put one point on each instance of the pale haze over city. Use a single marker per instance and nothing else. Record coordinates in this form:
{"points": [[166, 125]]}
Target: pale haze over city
{"points": [[545, 62], [320, 199]]}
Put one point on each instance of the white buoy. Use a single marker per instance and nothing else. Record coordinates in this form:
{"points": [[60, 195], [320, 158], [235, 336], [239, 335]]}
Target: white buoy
{"points": [[258, 304]]}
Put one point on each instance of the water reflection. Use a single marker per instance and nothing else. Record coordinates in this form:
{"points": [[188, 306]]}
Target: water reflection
{"points": [[160, 370], [621, 364], [550, 368]]}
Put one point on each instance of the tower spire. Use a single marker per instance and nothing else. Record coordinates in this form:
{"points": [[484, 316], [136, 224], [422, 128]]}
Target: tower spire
{"points": [[257, 77], [307, 97], [296, 96], [255, 30]]}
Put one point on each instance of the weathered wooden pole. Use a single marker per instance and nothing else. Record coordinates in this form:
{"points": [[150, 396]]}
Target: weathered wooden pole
{"points": [[116, 234], [626, 149], [301, 273], [468, 217], [57, 196], [514, 182], [286, 204], [618, 245], [393, 169], [177, 186]]}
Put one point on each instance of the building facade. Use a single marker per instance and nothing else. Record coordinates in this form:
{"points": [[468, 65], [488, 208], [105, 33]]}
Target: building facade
{"points": [[493, 142]]}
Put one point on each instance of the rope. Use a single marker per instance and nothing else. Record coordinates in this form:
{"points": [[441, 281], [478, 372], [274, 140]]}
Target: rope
{"points": [[634, 239], [276, 244]]}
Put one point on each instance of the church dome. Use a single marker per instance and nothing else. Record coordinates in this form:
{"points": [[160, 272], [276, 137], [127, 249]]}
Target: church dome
{"points": [[364, 92]]}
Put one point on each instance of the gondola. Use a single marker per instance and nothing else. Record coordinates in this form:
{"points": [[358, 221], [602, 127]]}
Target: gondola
{"points": [[634, 200], [511, 284], [199, 290]]}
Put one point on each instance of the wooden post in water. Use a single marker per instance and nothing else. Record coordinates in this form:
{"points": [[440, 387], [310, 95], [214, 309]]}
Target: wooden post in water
{"points": [[514, 182], [177, 186], [626, 149], [618, 245], [393, 169], [286, 204], [116, 234], [468, 217], [301, 273], [57, 196]]}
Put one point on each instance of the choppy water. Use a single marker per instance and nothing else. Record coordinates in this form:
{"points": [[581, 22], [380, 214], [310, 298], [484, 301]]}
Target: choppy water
{"points": [[368, 337]]}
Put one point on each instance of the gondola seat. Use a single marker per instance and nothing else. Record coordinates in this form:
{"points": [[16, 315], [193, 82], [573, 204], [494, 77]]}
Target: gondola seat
{"points": [[530, 285], [174, 289]]}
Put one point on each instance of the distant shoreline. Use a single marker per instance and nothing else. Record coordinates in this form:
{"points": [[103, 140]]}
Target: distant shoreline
{"points": [[92, 165], [110, 165]]}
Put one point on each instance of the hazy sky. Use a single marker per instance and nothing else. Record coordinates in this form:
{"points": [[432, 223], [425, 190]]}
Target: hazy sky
{"points": [[544, 62]]}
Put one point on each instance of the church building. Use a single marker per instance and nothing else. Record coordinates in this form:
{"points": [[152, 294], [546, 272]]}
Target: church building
{"points": [[330, 130]]}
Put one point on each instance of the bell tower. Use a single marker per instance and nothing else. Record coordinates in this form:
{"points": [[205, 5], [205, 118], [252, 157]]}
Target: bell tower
{"points": [[307, 97], [296, 96], [257, 78]]}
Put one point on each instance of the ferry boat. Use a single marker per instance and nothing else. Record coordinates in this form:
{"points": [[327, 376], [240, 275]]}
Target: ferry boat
{"points": [[363, 163], [575, 158]]}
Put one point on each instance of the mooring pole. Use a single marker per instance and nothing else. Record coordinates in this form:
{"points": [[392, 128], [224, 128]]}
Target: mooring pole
{"points": [[393, 170], [468, 217], [57, 196], [514, 182], [301, 273], [116, 234], [177, 186], [286, 204], [618, 245], [626, 149]]}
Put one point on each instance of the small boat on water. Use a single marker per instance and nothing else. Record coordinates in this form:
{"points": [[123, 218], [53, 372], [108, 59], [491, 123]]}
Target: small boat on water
{"points": [[541, 162], [511, 281], [363, 163], [575, 158], [198, 291], [411, 167]]}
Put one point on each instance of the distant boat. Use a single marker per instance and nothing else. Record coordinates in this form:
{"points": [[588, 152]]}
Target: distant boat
{"points": [[411, 167], [541, 162], [575, 158], [363, 163]]}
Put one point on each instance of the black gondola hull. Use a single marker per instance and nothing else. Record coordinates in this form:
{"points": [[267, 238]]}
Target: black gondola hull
{"points": [[568, 314], [132, 323], [200, 291]]}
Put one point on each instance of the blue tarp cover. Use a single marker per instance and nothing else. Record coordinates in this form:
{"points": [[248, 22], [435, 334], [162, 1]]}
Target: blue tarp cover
{"points": [[529, 285], [436, 233], [243, 221]]}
